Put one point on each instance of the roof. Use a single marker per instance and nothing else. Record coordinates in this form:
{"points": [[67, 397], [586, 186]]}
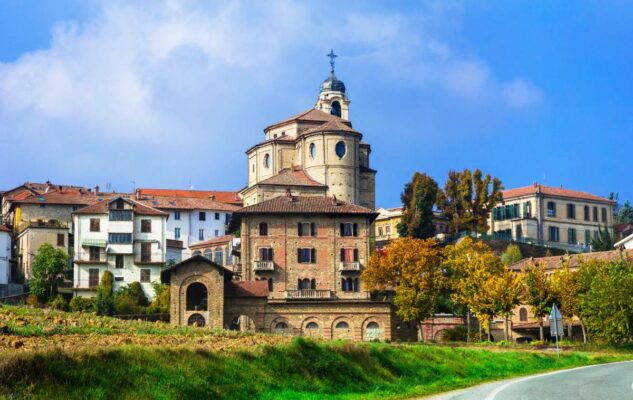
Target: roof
{"points": [[551, 191], [164, 274], [101, 207], [575, 260], [229, 197], [335, 125], [306, 205], [212, 242], [63, 197], [247, 288], [186, 203], [624, 240], [38, 188], [291, 177], [311, 115]]}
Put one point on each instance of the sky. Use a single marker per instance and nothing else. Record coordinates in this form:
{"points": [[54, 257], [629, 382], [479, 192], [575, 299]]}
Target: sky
{"points": [[170, 94]]}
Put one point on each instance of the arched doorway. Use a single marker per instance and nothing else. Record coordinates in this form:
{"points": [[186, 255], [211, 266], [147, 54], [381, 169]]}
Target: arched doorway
{"points": [[196, 320], [197, 297]]}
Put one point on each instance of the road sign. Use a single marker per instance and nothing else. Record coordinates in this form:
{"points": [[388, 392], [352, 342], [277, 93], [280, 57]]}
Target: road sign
{"points": [[555, 322]]}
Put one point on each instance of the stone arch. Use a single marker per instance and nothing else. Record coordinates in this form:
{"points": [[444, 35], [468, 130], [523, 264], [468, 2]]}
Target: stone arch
{"points": [[196, 297], [312, 327], [342, 328], [373, 329], [439, 335], [276, 326], [197, 320]]}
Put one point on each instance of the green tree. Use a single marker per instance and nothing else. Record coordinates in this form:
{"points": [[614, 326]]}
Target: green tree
{"points": [[418, 199], [104, 302], [413, 267], [604, 241], [162, 297], [47, 270], [567, 289], [467, 199], [506, 290], [130, 299], [625, 214], [511, 255], [538, 293]]}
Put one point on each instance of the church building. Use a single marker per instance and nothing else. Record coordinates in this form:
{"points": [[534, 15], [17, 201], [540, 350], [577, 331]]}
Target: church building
{"points": [[305, 232]]}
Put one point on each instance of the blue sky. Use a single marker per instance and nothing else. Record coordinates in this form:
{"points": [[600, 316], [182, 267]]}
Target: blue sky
{"points": [[168, 93]]}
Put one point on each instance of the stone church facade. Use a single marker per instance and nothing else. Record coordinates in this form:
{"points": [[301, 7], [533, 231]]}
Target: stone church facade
{"points": [[305, 232]]}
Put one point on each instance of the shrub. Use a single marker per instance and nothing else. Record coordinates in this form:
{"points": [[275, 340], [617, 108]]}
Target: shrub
{"points": [[81, 304], [125, 305], [456, 334], [104, 302], [32, 300], [59, 303], [162, 297]]}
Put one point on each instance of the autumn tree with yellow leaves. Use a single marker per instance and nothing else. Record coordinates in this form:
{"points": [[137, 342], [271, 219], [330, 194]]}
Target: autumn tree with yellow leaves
{"points": [[539, 293]]}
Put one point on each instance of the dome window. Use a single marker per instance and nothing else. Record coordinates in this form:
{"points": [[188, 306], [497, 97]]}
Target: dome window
{"points": [[312, 151], [336, 108], [267, 160], [340, 149]]}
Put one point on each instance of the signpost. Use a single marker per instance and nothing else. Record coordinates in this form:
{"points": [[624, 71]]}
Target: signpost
{"points": [[556, 325]]}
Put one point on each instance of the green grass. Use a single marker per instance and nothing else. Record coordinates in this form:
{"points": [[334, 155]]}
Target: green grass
{"points": [[299, 370]]}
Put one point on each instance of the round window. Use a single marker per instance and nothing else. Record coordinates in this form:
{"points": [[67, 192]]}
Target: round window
{"points": [[312, 150], [340, 149], [267, 160]]}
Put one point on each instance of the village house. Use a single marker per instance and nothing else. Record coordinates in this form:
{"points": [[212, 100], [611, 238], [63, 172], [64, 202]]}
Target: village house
{"points": [[222, 250], [386, 225]]}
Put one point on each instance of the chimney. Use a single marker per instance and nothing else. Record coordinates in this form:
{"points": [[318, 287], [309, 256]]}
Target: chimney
{"points": [[334, 201], [48, 186], [138, 194], [288, 193], [96, 189], [212, 197]]}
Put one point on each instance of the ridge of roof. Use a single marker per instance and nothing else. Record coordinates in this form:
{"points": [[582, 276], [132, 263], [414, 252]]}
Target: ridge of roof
{"points": [[101, 207], [553, 262], [306, 205], [222, 196], [552, 191], [186, 203]]}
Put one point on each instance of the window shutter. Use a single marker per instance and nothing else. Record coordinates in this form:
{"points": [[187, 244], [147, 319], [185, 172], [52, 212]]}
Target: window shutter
{"points": [[355, 227], [313, 255], [342, 254], [270, 252], [342, 229], [313, 229], [313, 284], [299, 229], [356, 255]]}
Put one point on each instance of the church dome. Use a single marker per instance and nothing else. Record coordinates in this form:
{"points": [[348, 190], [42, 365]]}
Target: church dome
{"points": [[333, 84]]}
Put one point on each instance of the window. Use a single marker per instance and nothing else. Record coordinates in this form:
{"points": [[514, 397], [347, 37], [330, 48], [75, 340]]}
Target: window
{"points": [[177, 233], [118, 261], [267, 160], [551, 209], [217, 216], [118, 279], [553, 234], [216, 233], [306, 256], [305, 284], [120, 215], [306, 229], [527, 209], [349, 255], [60, 239], [219, 256], [571, 236], [146, 252], [93, 277], [207, 254], [387, 230], [519, 232], [349, 229], [350, 284], [373, 325], [146, 275], [94, 253], [587, 214], [177, 215], [342, 325], [263, 229], [281, 326], [340, 149], [312, 325], [270, 284], [265, 254], [312, 151], [571, 211], [380, 231], [587, 236], [596, 235], [202, 216], [200, 234], [120, 238], [119, 205], [95, 224], [146, 225], [595, 214], [604, 214], [523, 314]]}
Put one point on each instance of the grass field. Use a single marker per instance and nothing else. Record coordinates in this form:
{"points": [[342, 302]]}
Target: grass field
{"points": [[150, 363]]}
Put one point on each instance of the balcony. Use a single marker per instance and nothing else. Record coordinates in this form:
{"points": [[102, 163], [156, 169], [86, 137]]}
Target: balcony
{"points": [[308, 294], [263, 266], [349, 266], [149, 258], [40, 223]]}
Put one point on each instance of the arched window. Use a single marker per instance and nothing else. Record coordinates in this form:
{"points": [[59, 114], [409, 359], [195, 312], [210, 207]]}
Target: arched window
{"points": [[312, 151], [196, 253], [342, 325], [373, 325], [196, 320], [340, 149], [267, 160], [197, 297], [313, 283], [523, 314], [336, 108], [263, 229], [219, 256], [312, 325], [207, 254], [281, 326]]}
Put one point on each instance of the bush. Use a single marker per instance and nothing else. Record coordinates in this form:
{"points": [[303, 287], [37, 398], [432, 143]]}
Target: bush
{"points": [[81, 304], [59, 303], [162, 296], [456, 334], [32, 300], [125, 305], [104, 303]]}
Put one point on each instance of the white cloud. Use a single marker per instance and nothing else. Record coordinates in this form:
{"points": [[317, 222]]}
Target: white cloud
{"points": [[520, 93]]}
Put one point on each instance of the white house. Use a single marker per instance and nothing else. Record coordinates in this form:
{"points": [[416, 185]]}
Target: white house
{"points": [[626, 243], [5, 255], [122, 236]]}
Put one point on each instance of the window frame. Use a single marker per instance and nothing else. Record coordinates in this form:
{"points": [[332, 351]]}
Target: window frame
{"points": [[145, 275], [146, 225], [95, 224], [302, 251]]}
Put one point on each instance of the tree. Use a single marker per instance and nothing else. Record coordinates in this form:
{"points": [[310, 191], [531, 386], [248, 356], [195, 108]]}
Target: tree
{"points": [[47, 270], [625, 214], [538, 293], [413, 267], [567, 289], [468, 198], [130, 299], [104, 302], [604, 241], [511, 255], [506, 290], [418, 199]]}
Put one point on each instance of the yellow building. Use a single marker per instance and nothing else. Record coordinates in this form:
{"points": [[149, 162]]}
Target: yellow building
{"points": [[386, 225]]}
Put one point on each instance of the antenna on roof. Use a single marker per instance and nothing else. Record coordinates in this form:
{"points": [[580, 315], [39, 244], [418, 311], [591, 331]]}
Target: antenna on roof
{"points": [[108, 186], [133, 186], [190, 184]]}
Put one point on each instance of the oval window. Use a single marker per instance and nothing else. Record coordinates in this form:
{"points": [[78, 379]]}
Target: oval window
{"points": [[267, 160], [340, 149], [312, 150]]}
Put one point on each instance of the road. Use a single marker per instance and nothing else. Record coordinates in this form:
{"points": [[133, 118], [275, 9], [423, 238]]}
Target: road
{"points": [[598, 382]]}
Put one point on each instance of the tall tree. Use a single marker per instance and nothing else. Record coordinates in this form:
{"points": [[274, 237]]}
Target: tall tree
{"points": [[418, 199], [467, 199], [413, 267], [47, 271], [538, 293], [604, 241], [625, 214], [506, 290], [567, 289]]}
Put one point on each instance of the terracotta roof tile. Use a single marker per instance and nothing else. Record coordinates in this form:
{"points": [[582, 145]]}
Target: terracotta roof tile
{"points": [[212, 242], [305, 205], [247, 288], [228, 197], [290, 177], [68, 196], [554, 262], [101, 207], [311, 115], [186, 203], [551, 191]]}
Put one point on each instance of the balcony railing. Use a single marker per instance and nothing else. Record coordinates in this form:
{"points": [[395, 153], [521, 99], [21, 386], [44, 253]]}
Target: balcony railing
{"points": [[311, 294], [263, 266], [349, 266]]}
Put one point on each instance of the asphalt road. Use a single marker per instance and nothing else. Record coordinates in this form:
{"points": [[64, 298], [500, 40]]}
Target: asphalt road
{"points": [[598, 382]]}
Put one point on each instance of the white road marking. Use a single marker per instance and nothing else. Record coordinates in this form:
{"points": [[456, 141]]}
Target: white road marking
{"points": [[493, 395]]}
